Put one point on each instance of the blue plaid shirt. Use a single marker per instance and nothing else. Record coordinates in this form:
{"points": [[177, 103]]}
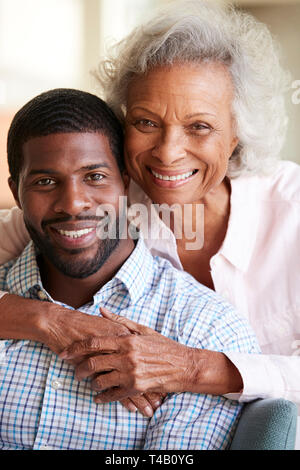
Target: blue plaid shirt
{"points": [[42, 406]]}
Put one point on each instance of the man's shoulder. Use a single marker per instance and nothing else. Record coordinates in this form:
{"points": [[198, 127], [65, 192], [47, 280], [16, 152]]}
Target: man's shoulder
{"points": [[16, 267], [4, 270]]}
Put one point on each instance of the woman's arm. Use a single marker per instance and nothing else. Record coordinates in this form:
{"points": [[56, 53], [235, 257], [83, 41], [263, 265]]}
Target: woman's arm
{"points": [[13, 234], [178, 368], [58, 328], [49, 323], [268, 376], [150, 362]]}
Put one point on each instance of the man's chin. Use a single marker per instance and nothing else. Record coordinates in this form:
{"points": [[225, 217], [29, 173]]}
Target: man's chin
{"points": [[74, 262], [80, 263]]}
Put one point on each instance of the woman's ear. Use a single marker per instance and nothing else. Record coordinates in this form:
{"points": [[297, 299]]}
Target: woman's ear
{"points": [[14, 189]]}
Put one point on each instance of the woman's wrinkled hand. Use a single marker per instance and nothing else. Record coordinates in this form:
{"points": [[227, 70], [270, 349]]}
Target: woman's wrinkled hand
{"points": [[62, 327], [68, 326], [127, 366]]}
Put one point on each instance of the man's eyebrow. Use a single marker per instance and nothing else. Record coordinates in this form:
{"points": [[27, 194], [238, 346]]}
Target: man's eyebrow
{"points": [[95, 166], [38, 171], [50, 171]]}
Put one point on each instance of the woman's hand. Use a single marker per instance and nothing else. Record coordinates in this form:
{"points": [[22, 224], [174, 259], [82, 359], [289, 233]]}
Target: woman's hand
{"points": [[128, 366], [51, 324], [61, 327], [145, 362], [58, 328], [65, 327], [145, 403]]}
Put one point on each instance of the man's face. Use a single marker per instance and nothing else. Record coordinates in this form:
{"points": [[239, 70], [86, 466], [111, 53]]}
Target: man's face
{"points": [[64, 179]]}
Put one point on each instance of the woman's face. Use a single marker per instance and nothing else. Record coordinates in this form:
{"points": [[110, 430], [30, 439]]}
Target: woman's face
{"points": [[180, 131]]}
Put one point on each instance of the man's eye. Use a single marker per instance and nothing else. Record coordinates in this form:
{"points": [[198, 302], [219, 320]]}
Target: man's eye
{"points": [[95, 177], [45, 182]]}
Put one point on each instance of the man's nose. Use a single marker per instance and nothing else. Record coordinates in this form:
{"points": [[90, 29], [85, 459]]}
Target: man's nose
{"points": [[72, 199], [170, 147]]}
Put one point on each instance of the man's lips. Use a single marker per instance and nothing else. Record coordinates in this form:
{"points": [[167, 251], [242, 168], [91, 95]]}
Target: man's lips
{"points": [[74, 238], [79, 234], [74, 233]]}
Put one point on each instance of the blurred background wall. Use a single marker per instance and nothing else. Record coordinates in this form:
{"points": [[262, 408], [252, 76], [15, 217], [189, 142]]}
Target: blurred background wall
{"points": [[55, 43]]}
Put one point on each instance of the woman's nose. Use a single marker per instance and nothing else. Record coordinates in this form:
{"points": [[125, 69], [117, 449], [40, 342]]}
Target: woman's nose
{"points": [[72, 200], [170, 148]]}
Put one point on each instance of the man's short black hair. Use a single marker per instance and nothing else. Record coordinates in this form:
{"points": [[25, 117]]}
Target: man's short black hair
{"points": [[62, 110]]}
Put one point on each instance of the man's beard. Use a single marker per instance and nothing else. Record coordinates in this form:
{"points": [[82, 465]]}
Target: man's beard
{"points": [[70, 266]]}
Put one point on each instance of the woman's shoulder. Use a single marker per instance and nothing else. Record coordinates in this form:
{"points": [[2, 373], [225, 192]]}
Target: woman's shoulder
{"points": [[282, 184], [12, 214], [285, 182], [13, 234]]}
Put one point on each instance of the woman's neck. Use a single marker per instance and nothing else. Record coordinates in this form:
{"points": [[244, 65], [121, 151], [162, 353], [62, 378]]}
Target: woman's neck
{"points": [[204, 232]]}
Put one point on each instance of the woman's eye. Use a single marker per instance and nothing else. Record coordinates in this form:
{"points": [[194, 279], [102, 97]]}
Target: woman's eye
{"points": [[198, 126], [144, 124]]}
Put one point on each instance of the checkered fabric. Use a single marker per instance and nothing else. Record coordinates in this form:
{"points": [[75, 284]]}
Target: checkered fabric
{"points": [[42, 406]]}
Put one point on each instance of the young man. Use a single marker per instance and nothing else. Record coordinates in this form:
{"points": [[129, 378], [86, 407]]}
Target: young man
{"points": [[65, 160]]}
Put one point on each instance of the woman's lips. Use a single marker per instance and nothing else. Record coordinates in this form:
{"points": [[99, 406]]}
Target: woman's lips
{"points": [[171, 179]]}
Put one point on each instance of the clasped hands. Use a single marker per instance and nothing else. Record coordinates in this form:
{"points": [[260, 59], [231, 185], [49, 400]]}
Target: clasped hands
{"points": [[130, 363]]}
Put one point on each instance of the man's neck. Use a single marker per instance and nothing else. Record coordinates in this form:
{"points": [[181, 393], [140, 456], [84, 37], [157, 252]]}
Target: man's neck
{"points": [[78, 292]]}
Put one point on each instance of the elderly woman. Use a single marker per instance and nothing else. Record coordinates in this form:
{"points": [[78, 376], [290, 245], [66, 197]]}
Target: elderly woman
{"points": [[200, 92]]}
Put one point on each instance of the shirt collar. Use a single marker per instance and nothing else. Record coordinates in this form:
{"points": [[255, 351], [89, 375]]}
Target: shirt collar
{"points": [[135, 274], [25, 273], [240, 238], [142, 213], [137, 271], [241, 234]]}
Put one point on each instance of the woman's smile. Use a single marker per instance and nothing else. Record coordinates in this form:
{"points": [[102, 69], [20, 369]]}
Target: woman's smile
{"points": [[171, 179]]}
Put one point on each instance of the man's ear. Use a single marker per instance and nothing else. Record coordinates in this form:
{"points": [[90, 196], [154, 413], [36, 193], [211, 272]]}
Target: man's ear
{"points": [[126, 181], [14, 189]]}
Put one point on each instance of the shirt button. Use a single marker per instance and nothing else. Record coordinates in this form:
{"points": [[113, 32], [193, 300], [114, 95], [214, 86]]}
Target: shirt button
{"points": [[56, 384], [41, 295], [45, 447]]}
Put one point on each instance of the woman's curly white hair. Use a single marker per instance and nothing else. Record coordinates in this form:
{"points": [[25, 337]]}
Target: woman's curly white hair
{"points": [[196, 31]]}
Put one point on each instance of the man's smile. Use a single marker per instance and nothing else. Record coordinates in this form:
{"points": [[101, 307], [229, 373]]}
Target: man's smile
{"points": [[80, 238]]}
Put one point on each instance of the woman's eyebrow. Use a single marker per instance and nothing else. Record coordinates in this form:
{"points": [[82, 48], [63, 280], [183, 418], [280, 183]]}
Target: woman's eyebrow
{"points": [[189, 116], [141, 108]]}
